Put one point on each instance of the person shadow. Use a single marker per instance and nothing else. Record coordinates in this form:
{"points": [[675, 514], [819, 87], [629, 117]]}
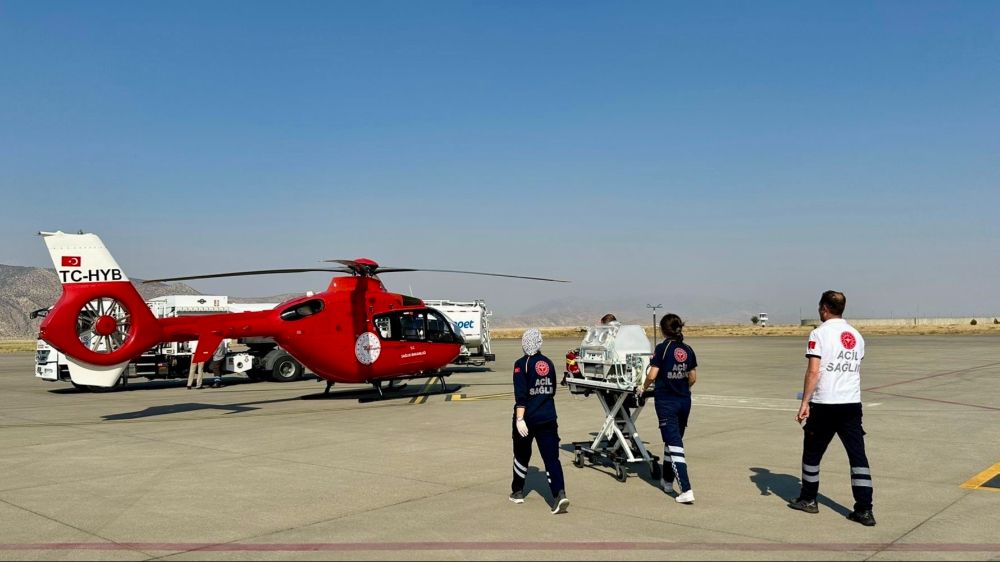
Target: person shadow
{"points": [[536, 481], [786, 487]]}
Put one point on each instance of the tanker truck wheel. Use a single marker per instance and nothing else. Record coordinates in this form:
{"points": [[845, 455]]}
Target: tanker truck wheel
{"points": [[286, 369]]}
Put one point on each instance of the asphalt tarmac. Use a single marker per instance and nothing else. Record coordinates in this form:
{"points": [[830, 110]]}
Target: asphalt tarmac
{"points": [[279, 471]]}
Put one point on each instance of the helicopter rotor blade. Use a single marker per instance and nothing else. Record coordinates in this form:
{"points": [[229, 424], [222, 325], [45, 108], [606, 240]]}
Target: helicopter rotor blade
{"points": [[405, 269], [368, 267], [257, 272]]}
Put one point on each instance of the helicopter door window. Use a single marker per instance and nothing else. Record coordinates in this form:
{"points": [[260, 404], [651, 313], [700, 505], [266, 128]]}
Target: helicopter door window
{"points": [[414, 326], [302, 310], [384, 326]]}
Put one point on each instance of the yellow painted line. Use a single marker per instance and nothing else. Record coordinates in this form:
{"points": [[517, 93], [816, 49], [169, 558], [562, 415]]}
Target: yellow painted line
{"points": [[422, 397], [978, 480]]}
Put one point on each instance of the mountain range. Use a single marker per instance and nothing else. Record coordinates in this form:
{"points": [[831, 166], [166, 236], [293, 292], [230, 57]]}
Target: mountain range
{"points": [[24, 289]]}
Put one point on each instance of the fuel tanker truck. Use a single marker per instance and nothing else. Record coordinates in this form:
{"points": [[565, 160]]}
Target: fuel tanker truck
{"points": [[471, 320]]}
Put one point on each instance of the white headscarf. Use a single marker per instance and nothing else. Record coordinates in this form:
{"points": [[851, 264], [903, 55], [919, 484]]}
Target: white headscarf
{"points": [[531, 341]]}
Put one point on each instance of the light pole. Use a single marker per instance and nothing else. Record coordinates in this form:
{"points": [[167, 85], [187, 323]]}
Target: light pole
{"points": [[654, 317]]}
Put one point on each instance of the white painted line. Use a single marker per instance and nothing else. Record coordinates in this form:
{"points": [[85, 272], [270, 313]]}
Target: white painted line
{"points": [[748, 407], [746, 402]]}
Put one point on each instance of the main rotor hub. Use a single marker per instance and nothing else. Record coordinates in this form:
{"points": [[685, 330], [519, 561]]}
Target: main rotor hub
{"points": [[364, 267]]}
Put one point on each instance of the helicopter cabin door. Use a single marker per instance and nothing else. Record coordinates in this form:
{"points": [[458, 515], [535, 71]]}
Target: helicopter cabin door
{"points": [[408, 336]]}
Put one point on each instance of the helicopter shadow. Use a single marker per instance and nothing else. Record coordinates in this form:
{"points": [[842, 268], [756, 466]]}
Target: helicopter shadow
{"points": [[786, 487], [183, 407], [467, 369], [153, 385], [368, 394]]}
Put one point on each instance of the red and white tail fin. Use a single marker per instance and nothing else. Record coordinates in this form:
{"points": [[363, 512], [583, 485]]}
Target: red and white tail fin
{"points": [[100, 322]]}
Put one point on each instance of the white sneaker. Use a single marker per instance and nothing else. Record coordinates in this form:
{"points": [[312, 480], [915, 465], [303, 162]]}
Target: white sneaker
{"points": [[668, 487], [562, 504], [686, 497]]}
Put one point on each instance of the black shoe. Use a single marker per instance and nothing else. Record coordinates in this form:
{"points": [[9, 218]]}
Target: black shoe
{"points": [[561, 504], [808, 506], [866, 517], [516, 497]]}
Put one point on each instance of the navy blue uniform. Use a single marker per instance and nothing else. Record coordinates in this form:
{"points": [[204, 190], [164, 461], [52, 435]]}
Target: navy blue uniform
{"points": [[535, 391], [673, 405]]}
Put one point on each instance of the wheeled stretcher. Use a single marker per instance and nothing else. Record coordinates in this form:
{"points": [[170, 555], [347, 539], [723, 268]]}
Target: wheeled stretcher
{"points": [[611, 364]]}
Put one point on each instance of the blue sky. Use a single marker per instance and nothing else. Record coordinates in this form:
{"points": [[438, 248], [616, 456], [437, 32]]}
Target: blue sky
{"points": [[758, 152]]}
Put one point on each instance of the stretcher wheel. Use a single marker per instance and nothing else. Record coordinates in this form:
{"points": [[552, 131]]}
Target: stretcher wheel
{"points": [[578, 459], [620, 473], [654, 470]]}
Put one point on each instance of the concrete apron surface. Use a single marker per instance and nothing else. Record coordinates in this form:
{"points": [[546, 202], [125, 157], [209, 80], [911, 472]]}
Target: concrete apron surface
{"points": [[278, 471]]}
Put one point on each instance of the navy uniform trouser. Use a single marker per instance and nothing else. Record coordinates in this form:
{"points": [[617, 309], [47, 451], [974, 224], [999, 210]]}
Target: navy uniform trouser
{"points": [[547, 437], [843, 420], [673, 414]]}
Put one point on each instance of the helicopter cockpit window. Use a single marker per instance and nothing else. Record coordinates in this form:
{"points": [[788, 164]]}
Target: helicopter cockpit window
{"points": [[439, 329], [302, 310]]}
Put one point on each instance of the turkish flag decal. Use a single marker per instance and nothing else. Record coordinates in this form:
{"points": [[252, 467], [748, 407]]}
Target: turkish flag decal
{"points": [[71, 261]]}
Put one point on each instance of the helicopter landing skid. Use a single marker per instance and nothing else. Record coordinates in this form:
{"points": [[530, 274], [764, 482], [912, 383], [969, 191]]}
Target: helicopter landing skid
{"points": [[385, 393]]}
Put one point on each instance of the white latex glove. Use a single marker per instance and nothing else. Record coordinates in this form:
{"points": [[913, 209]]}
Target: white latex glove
{"points": [[522, 428]]}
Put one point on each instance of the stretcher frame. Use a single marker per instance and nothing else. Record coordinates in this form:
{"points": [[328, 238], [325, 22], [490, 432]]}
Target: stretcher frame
{"points": [[618, 442]]}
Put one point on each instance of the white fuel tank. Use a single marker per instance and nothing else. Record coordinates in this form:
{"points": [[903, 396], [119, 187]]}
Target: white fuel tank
{"points": [[468, 319]]}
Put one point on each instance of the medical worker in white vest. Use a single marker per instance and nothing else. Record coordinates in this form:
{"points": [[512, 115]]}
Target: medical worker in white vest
{"points": [[831, 405]]}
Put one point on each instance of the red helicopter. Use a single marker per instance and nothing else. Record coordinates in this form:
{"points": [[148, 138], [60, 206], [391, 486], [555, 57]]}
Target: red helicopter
{"points": [[354, 332]]}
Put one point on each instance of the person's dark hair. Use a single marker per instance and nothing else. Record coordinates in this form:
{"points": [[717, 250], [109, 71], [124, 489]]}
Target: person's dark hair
{"points": [[834, 301], [672, 326], [608, 318]]}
